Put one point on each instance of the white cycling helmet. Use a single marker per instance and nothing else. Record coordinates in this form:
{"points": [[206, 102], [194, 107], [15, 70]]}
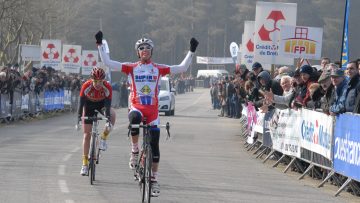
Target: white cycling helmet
{"points": [[144, 41]]}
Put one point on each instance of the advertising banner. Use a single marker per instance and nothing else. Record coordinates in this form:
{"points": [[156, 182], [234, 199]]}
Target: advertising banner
{"points": [[301, 42], [214, 60], [347, 146], [51, 53], [315, 131], [25, 102], [67, 97], [53, 100], [247, 57], [30, 52], [266, 131], [89, 60], [259, 124], [282, 127], [251, 121], [270, 16], [71, 60]]}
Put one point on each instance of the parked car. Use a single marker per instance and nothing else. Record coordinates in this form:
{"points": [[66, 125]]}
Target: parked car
{"points": [[166, 97]]}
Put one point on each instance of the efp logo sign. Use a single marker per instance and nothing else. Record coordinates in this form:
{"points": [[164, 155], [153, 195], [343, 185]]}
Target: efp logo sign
{"points": [[301, 42], [269, 19]]}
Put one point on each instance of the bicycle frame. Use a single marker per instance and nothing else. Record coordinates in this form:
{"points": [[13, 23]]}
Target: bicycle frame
{"points": [[143, 170], [94, 151]]}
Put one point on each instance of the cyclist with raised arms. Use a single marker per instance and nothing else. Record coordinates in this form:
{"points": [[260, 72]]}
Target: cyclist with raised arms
{"points": [[95, 94], [145, 76]]}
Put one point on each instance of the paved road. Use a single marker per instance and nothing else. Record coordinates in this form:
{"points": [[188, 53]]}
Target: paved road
{"points": [[204, 162]]}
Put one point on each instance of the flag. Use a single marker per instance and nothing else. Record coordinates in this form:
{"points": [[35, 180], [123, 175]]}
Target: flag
{"points": [[345, 43]]}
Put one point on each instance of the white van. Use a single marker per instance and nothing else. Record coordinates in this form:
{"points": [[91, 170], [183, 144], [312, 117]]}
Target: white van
{"points": [[166, 97]]}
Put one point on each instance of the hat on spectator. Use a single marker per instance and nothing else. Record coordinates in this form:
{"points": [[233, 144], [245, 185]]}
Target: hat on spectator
{"points": [[306, 69], [337, 73], [324, 76], [297, 73], [243, 67], [256, 65]]}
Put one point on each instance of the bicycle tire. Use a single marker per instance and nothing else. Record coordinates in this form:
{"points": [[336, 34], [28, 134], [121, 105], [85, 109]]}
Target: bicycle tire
{"points": [[142, 172], [92, 163], [98, 156], [147, 175]]}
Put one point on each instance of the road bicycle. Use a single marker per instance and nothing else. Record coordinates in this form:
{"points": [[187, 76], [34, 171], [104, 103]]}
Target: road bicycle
{"points": [[142, 171], [94, 151]]}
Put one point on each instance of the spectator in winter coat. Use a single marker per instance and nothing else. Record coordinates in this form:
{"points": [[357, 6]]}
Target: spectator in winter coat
{"points": [[328, 90], [340, 84], [353, 85], [308, 77], [268, 84], [315, 95], [243, 71], [283, 101]]}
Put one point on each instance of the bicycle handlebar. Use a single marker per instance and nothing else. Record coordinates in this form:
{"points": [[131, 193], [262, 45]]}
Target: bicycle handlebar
{"points": [[95, 118], [167, 127], [92, 118]]}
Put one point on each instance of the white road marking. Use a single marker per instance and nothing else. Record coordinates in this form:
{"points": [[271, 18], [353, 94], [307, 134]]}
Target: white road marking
{"points": [[69, 201], [61, 170], [67, 157], [63, 186]]}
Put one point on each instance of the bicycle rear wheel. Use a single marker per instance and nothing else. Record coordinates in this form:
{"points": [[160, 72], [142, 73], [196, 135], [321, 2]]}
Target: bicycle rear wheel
{"points": [[147, 176]]}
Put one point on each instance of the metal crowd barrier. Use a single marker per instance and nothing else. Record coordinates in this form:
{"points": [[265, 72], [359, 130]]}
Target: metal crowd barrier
{"points": [[329, 148], [33, 103]]}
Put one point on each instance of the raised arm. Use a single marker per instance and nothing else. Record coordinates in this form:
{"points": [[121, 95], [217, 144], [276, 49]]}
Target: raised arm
{"points": [[184, 65], [113, 65]]}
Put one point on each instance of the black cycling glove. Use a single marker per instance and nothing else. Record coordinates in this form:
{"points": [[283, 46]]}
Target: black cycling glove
{"points": [[99, 37], [193, 44]]}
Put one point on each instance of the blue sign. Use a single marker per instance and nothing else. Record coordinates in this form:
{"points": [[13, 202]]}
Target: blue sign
{"points": [[345, 41], [54, 100], [347, 146]]}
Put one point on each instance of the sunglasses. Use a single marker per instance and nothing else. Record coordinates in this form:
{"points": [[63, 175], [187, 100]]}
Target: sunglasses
{"points": [[97, 81], [144, 47]]}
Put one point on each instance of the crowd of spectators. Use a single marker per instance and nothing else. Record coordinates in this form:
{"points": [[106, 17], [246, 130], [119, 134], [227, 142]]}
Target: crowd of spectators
{"points": [[32, 80], [36, 80], [183, 84], [328, 89]]}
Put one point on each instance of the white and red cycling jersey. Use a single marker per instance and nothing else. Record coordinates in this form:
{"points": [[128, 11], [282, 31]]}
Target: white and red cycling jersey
{"points": [[144, 82]]}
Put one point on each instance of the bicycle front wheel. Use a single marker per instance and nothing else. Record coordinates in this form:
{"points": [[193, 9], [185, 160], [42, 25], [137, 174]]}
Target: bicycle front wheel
{"points": [[92, 162], [142, 171], [148, 172]]}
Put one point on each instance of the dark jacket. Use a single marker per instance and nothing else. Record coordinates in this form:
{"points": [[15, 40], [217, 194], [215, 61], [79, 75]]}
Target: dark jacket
{"points": [[270, 84], [357, 103], [338, 104], [327, 99], [351, 93]]}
